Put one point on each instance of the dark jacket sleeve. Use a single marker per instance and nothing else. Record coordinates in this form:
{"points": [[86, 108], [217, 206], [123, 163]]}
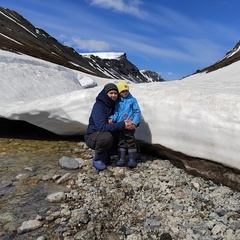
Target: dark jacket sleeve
{"points": [[100, 117]]}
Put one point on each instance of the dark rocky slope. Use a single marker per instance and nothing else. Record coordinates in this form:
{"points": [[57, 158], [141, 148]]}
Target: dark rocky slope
{"points": [[18, 35]]}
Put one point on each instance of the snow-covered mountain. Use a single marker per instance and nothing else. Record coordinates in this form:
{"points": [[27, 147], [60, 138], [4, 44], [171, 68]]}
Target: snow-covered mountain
{"points": [[19, 35], [115, 65], [230, 57]]}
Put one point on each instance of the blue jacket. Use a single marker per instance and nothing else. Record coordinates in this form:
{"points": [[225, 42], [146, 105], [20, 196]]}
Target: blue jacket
{"points": [[127, 108], [102, 109]]}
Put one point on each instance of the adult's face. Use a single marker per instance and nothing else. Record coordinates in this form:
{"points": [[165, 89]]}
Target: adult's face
{"points": [[113, 94]]}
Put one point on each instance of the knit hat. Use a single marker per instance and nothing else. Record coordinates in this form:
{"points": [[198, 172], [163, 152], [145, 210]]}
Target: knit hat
{"points": [[122, 86], [110, 86]]}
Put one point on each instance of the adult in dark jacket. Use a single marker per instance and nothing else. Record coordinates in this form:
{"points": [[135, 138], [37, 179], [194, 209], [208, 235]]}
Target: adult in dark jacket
{"points": [[101, 135]]}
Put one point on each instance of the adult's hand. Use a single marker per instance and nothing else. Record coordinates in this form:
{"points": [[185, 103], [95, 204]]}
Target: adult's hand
{"points": [[128, 124]]}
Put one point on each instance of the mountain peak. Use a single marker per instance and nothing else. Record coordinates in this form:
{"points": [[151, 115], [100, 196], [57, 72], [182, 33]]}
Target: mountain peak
{"points": [[234, 51]]}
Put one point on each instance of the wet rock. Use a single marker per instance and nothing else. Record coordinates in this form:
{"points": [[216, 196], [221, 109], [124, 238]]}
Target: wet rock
{"points": [[6, 217], [56, 197], [64, 178], [41, 238], [68, 163], [31, 169], [29, 226], [22, 176]]}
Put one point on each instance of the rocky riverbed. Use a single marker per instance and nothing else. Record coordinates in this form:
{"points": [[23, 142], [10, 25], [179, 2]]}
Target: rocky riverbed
{"points": [[42, 200]]}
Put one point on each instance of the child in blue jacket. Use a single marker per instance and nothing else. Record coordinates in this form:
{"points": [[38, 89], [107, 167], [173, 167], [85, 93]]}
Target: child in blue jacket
{"points": [[127, 108]]}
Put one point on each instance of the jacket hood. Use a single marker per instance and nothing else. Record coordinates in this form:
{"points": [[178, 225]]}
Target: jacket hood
{"points": [[105, 99]]}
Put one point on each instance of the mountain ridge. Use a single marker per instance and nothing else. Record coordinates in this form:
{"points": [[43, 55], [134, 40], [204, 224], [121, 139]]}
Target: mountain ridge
{"points": [[230, 57], [18, 35]]}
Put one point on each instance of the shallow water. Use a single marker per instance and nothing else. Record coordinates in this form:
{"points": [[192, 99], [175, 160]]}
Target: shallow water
{"points": [[23, 163]]}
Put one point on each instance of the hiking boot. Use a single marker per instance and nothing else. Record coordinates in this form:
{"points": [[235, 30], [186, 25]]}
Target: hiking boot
{"points": [[121, 153]]}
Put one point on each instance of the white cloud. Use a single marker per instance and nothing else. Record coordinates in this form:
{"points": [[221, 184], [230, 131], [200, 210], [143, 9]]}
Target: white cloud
{"points": [[123, 6], [88, 44]]}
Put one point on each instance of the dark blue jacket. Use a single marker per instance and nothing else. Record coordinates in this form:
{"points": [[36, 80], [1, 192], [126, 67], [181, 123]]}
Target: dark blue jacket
{"points": [[102, 109]]}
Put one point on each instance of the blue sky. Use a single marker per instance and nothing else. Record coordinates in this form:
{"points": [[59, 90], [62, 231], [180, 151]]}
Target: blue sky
{"points": [[172, 37]]}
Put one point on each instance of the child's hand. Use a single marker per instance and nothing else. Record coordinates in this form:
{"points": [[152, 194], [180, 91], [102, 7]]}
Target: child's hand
{"points": [[110, 121]]}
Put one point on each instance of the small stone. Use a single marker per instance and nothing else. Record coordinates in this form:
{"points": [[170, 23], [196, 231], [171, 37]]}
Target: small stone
{"points": [[165, 236], [56, 197], [22, 176], [28, 226], [68, 163], [218, 228], [31, 169], [65, 177]]}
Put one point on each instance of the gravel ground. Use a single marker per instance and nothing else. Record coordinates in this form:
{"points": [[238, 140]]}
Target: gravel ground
{"points": [[156, 200]]}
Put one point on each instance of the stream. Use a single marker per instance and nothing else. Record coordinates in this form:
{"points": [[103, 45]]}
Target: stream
{"points": [[24, 163]]}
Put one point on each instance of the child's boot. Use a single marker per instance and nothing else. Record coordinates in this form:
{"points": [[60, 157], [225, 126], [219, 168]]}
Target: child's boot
{"points": [[121, 153], [98, 162], [132, 158]]}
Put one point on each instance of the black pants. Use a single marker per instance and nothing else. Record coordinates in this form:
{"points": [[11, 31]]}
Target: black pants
{"points": [[127, 139], [102, 142]]}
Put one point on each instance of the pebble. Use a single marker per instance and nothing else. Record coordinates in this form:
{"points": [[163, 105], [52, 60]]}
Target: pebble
{"points": [[29, 226], [55, 197], [68, 163]]}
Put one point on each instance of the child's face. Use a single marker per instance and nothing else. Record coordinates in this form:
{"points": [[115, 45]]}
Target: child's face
{"points": [[124, 93]]}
